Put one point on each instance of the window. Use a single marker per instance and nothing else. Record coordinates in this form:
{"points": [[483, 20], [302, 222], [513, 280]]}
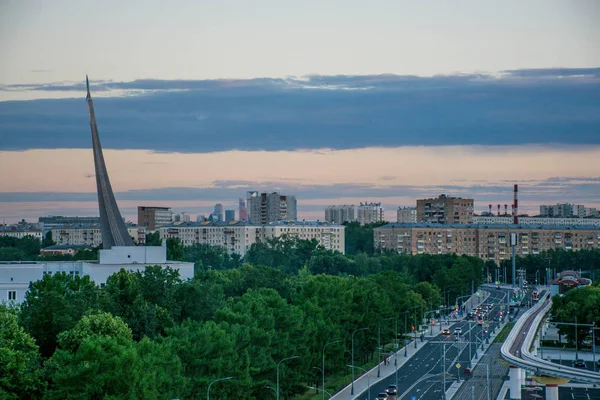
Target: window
{"points": [[12, 295]]}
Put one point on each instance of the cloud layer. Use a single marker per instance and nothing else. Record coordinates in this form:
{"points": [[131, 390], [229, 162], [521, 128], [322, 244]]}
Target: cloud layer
{"points": [[337, 112]]}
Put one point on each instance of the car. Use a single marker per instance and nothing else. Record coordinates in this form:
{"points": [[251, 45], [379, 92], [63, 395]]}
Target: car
{"points": [[445, 331], [497, 286], [382, 396], [392, 390], [598, 363], [457, 331], [579, 364]]}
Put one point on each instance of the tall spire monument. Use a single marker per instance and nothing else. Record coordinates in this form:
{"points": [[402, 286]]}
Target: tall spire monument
{"points": [[114, 232]]}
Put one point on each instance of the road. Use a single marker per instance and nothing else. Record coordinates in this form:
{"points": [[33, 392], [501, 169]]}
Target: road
{"points": [[421, 376]]}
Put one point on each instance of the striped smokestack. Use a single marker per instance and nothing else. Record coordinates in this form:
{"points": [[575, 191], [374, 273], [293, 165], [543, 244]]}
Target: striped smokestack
{"points": [[516, 203]]}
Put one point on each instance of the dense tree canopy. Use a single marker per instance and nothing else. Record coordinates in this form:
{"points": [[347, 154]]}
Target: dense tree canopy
{"points": [[150, 334]]}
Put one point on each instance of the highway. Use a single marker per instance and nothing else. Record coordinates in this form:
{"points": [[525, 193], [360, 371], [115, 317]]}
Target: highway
{"points": [[421, 376]]}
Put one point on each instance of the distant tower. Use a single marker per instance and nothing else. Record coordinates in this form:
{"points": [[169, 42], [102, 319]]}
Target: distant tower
{"points": [[114, 232]]}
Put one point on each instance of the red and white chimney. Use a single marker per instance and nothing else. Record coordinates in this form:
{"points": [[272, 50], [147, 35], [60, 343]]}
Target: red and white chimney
{"points": [[506, 209], [490, 212], [516, 203], [498, 209]]}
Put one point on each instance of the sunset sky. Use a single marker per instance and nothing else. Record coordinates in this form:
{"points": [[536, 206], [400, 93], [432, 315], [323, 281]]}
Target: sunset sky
{"points": [[335, 102]]}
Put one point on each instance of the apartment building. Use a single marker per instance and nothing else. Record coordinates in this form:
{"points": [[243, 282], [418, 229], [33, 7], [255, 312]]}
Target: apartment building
{"points": [[490, 220], [57, 221], [265, 208], [340, 214], [91, 235], [445, 210], [563, 210], [488, 242], [406, 215], [154, 217], [329, 235], [237, 236], [368, 213], [20, 232]]}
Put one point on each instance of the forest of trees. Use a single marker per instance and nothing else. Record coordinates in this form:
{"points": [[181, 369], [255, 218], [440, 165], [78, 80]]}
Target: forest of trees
{"points": [[150, 334]]}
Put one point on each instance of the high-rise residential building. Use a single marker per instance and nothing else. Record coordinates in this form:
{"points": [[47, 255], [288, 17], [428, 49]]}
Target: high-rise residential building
{"points": [[243, 211], [183, 217], [445, 210], [271, 207], [563, 210], [154, 217], [229, 215], [340, 214], [591, 212], [368, 213], [407, 215]]}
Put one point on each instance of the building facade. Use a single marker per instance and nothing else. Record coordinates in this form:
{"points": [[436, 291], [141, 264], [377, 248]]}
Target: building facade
{"points": [[20, 232], [265, 208], [54, 221], [237, 237], [368, 213], [340, 214], [154, 217], [406, 215], [488, 242], [445, 210], [229, 215], [490, 220], [91, 235]]}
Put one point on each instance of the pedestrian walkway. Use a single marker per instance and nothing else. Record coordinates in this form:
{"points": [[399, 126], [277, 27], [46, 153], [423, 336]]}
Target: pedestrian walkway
{"points": [[396, 361]]}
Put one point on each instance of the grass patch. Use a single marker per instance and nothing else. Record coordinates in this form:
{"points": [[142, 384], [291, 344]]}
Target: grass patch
{"points": [[504, 333]]}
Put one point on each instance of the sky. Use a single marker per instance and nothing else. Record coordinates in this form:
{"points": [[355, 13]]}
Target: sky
{"points": [[336, 102]]}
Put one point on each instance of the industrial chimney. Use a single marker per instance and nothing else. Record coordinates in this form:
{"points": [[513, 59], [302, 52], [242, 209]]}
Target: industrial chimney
{"points": [[516, 209], [499, 210], [490, 212], [506, 209]]}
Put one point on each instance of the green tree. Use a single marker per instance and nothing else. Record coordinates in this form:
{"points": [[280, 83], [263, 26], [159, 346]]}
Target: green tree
{"points": [[582, 304], [47, 241], [20, 366], [175, 249], [54, 304], [153, 239]]}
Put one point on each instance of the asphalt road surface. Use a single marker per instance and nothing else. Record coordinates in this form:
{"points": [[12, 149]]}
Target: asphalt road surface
{"points": [[421, 376]]}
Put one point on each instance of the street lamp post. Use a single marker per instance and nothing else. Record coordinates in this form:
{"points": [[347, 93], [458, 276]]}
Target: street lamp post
{"points": [[368, 379], [323, 366], [320, 390], [216, 380], [379, 346], [285, 359], [358, 330]]}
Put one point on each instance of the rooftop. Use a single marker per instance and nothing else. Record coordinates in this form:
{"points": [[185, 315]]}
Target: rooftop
{"points": [[491, 226]]}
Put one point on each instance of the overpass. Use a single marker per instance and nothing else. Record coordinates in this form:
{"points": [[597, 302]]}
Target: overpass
{"points": [[516, 351]]}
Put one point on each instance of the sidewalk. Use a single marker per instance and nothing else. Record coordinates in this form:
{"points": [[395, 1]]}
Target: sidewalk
{"points": [[361, 383]]}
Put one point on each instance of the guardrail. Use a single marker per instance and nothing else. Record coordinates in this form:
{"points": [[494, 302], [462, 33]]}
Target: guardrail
{"points": [[537, 365]]}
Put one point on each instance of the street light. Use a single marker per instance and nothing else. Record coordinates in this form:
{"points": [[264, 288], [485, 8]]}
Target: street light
{"points": [[358, 330], [368, 378], [288, 358], [216, 380], [379, 346], [320, 390], [323, 366]]}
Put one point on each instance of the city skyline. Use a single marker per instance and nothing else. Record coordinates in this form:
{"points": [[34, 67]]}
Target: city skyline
{"points": [[387, 103]]}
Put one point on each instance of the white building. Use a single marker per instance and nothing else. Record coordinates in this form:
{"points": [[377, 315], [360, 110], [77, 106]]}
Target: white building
{"points": [[493, 220], [20, 233], [237, 237], [16, 276], [407, 215], [331, 236], [91, 235], [370, 212], [340, 214]]}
